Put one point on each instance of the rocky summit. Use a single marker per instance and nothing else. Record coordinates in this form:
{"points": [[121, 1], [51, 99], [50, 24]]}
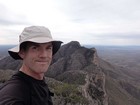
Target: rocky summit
{"points": [[78, 76]]}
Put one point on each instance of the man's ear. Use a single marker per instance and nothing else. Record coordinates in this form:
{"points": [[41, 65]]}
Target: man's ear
{"points": [[21, 54]]}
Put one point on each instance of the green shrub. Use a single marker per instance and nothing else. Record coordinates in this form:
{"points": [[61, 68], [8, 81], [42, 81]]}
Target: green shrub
{"points": [[5, 75], [70, 93]]}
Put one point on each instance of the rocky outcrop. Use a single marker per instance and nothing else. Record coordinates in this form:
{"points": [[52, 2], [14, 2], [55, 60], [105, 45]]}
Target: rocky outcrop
{"points": [[9, 63], [76, 64], [94, 89]]}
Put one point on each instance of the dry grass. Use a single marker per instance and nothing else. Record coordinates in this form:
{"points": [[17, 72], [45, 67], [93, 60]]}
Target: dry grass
{"points": [[5, 75]]}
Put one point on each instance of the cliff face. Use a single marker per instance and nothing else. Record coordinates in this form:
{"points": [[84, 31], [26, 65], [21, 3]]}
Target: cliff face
{"points": [[78, 76], [78, 65]]}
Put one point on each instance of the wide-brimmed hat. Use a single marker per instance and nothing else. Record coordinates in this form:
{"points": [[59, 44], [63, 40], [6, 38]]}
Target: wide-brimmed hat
{"points": [[36, 34]]}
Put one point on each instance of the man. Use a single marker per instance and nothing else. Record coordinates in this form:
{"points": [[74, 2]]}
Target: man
{"points": [[27, 87]]}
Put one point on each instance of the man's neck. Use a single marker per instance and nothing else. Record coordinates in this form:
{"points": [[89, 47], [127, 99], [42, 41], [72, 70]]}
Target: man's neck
{"points": [[31, 73]]}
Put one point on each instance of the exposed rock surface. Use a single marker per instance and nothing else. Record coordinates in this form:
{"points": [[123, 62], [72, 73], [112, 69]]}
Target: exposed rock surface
{"points": [[78, 76], [9, 63]]}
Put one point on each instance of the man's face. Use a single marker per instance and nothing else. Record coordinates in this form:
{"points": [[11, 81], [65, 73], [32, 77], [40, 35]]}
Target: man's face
{"points": [[37, 57]]}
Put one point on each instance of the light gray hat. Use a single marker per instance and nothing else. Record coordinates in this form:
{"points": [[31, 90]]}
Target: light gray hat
{"points": [[37, 34]]}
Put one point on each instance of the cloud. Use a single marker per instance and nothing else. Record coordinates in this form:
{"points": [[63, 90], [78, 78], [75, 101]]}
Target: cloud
{"points": [[118, 15], [87, 21], [8, 17], [100, 9], [114, 39]]}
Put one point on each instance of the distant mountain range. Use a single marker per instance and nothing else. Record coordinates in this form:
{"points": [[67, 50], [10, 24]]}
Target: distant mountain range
{"points": [[3, 50], [79, 76]]}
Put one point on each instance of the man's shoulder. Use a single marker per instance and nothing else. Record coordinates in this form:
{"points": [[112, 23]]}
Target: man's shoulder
{"points": [[14, 90], [15, 85]]}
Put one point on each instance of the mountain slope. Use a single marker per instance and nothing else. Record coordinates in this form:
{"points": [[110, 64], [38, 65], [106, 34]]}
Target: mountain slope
{"points": [[80, 76]]}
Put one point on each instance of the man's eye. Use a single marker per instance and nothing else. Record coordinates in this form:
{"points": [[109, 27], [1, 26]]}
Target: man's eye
{"points": [[34, 47], [49, 48]]}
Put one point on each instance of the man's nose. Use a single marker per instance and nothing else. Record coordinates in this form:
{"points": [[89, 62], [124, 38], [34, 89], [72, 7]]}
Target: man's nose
{"points": [[43, 53]]}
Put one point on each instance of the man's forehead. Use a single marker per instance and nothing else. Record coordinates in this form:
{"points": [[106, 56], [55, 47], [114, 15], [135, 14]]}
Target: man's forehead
{"points": [[38, 44]]}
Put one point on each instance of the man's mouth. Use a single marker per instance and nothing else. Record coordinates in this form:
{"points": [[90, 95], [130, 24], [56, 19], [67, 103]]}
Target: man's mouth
{"points": [[42, 62]]}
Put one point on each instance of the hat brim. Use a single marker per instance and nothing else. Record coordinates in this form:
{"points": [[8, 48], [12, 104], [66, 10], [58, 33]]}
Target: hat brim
{"points": [[13, 52], [39, 40]]}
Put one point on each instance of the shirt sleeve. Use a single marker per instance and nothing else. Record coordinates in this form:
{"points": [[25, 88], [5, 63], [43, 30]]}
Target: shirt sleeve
{"points": [[5, 100], [14, 93]]}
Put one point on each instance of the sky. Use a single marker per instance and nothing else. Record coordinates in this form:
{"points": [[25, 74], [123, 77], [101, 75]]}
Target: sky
{"points": [[91, 22]]}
